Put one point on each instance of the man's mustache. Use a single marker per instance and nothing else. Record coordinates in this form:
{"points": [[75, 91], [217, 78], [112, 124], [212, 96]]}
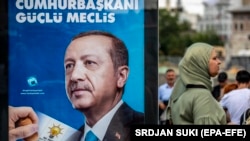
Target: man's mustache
{"points": [[80, 86]]}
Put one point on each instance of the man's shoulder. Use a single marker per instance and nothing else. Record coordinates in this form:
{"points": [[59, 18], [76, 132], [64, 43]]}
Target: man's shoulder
{"points": [[126, 107], [124, 118], [128, 113], [238, 92], [230, 95], [163, 85], [233, 92]]}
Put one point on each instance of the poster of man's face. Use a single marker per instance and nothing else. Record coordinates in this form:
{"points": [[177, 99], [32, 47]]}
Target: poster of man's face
{"points": [[61, 75]]}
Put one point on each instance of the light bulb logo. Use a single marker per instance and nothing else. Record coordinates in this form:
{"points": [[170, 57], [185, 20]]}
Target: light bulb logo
{"points": [[55, 131]]}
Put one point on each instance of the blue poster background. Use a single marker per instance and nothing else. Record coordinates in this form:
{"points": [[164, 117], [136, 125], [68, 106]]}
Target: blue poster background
{"points": [[36, 55]]}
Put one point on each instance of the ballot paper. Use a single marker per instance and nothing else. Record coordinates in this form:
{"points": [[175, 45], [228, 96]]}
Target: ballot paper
{"points": [[51, 129]]}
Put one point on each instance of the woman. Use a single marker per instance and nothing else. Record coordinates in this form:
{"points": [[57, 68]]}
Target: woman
{"points": [[191, 101]]}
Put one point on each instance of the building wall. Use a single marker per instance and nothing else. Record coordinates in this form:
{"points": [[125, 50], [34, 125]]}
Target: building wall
{"points": [[240, 40], [217, 17]]}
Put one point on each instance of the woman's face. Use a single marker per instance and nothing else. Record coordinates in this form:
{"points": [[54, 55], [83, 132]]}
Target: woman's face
{"points": [[214, 64]]}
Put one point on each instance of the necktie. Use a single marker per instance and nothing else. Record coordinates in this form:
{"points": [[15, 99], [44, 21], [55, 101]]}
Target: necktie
{"points": [[91, 137]]}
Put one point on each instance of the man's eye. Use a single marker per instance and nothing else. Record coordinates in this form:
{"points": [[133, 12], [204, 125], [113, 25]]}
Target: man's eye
{"points": [[90, 62], [68, 66]]}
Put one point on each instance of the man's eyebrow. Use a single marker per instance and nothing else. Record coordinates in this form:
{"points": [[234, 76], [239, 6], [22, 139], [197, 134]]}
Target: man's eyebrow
{"points": [[68, 59], [82, 57]]}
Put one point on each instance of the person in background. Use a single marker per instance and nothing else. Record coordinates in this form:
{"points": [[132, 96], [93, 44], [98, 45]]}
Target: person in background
{"points": [[164, 92], [191, 101], [21, 132], [96, 71], [237, 101], [228, 88], [218, 89]]}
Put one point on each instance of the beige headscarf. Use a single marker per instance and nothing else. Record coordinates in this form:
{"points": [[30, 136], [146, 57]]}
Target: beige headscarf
{"points": [[193, 69]]}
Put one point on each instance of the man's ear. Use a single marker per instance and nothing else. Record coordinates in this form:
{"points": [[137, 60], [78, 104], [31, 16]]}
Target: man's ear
{"points": [[122, 73]]}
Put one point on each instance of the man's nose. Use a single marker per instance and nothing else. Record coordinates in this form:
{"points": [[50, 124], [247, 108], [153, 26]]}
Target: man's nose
{"points": [[78, 73], [219, 61]]}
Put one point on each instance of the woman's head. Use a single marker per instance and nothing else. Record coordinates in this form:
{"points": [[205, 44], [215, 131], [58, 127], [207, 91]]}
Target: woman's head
{"points": [[214, 63], [199, 63], [196, 67]]}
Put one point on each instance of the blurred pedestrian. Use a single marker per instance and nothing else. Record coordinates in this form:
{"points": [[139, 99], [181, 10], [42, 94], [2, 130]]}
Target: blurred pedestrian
{"points": [[218, 89], [191, 101], [238, 101], [164, 93], [228, 88]]}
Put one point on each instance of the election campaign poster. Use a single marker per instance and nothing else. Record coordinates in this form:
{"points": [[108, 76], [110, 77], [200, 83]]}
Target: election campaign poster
{"points": [[40, 32]]}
